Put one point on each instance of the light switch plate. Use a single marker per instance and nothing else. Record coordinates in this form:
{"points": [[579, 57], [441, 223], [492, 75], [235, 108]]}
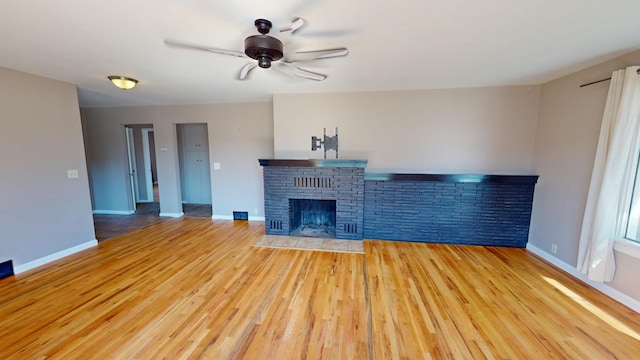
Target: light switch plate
{"points": [[72, 174], [216, 166]]}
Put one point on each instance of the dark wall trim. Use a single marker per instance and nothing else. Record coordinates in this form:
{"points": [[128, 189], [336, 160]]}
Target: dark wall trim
{"points": [[329, 163], [455, 178]]}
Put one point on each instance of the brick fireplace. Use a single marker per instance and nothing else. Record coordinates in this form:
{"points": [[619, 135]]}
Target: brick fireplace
{"points": [[336, 198], [317, 198]]}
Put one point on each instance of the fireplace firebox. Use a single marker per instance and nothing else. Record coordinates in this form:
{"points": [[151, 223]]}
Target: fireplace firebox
{"points": [[312, 218]]}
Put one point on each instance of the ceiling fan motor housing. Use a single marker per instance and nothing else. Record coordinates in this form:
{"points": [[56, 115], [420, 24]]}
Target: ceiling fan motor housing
{"points": [[263, 47]]}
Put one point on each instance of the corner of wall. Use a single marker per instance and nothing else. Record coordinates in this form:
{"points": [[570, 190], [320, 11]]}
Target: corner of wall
{"points": [[602, 287]]}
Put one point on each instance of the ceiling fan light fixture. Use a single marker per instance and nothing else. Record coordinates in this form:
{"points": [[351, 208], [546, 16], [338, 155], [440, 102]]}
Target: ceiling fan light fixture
{"points": [[264, 61], [123, 82]]}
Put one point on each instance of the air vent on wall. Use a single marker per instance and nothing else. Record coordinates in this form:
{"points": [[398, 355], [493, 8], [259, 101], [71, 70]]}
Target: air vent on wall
{"points": [[240, 215], [312, 182], [6, 269], [351, 228], [275, 224]]}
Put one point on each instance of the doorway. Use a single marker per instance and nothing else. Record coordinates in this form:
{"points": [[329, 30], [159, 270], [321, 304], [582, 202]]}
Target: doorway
{"points": [[131, 160], [142, 186], [143, 179], [195, 171]]}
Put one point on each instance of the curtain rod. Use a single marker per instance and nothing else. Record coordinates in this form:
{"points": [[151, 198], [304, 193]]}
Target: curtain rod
{"points": [[599, 81]]}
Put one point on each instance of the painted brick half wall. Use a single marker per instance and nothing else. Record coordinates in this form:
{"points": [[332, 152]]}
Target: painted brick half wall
{"points": [[467, 209], [472, 211]]}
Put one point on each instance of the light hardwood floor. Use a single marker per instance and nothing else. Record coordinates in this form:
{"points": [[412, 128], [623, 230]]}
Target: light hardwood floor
{"points": [[196, 288]]}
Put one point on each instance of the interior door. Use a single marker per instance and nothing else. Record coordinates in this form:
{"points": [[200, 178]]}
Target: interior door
{"points": [[131, 154], [147, 163]]}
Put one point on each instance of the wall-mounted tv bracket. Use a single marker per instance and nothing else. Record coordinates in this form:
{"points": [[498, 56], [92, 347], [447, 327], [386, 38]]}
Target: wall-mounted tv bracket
{"points": [[329, 142]]}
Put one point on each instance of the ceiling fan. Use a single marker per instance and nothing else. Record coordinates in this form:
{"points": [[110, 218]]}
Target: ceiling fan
{"points": [[267, 50]]}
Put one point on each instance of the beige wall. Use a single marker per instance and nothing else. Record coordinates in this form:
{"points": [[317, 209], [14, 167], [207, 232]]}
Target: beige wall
{"points": [[239, 134], [566, 141], [42, 211], [479, 130], [549, 130]]}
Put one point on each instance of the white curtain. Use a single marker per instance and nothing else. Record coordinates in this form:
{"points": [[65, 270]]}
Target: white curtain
{"points": [[611, 185]]}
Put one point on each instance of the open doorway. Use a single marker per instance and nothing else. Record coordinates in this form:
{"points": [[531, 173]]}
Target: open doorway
{"points": [[142, 186], [143, 177], [131, 161], [138, 200], [149, 158], [195, 171]]}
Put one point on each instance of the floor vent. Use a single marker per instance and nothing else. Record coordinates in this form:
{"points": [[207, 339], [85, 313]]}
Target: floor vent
{"points": [[240, 215], [6, 269]]}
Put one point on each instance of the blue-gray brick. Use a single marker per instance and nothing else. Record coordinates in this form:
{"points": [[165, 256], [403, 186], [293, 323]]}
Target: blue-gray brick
{"points": [[457, 213]]}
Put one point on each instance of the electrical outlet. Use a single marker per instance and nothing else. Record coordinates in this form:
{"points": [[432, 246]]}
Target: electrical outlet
{"points": [[255, 211], [554, 248]]}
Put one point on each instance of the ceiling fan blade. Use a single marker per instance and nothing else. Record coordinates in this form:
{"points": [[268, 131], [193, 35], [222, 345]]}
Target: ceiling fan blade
{"points": [[308, 74], [291, 70], [204, 48], [283, 68], [318, 54], [244, 72], [296, 23]]}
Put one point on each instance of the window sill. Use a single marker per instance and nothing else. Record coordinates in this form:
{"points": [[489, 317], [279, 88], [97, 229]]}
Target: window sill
{"points": [[628, 247]]}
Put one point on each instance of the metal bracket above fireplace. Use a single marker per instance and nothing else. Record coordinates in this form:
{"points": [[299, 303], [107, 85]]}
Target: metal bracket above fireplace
{"points": [[329, 142]]}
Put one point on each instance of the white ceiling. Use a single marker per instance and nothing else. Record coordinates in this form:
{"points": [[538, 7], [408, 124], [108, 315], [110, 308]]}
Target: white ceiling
{"points": [[394, 45]]}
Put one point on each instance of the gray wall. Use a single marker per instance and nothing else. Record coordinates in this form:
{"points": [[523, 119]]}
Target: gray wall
{"points": [[43, 212], [566, 142], [107, 164], [239, 134]]}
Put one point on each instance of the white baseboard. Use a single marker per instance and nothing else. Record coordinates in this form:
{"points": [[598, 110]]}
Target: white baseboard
{"points": [[173, 215], [55, 256], [602, 287], [230, 217], [113, 212]]}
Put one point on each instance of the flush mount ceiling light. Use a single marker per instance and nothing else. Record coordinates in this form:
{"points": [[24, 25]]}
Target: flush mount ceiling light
{"points": [[124, 83]]}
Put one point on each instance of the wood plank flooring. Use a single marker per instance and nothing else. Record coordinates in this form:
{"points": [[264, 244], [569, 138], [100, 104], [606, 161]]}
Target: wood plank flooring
{"points": [[197, 288]]}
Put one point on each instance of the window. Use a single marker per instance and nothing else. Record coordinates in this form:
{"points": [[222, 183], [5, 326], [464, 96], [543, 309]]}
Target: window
{"points": [[612, 207], [633, 219]]}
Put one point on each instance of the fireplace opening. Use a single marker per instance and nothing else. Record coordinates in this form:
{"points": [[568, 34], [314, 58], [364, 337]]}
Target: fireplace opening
{"points": [[312, 218]]}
